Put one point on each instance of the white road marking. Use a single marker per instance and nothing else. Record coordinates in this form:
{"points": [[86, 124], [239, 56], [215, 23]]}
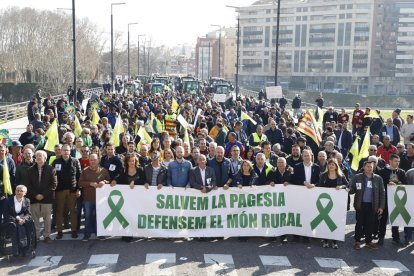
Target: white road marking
{"points": [[219, 264], [45, 261], [160, 264], [331, 263], [388, 265]]}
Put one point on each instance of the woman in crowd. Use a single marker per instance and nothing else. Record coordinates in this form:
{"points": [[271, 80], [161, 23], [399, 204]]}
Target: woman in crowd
{"points": [[40, 139], [132, 175], [333, 177], [249, 154], [246, 176], [168, 157]]}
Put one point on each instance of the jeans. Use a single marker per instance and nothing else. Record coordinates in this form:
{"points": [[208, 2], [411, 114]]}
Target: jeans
{"points": [[79, 207], [90, 217], [408, 233]]}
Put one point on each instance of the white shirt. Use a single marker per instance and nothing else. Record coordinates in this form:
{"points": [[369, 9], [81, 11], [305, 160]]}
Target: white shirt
{"points": [[17, 205], [203, 175], [308, 172]]}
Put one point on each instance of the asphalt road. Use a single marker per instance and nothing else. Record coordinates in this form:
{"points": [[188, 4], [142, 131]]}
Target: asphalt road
{"points": [[257, 256]]}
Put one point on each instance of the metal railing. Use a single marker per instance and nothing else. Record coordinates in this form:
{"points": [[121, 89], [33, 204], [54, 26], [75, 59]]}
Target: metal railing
{"points": [[19, 110]]}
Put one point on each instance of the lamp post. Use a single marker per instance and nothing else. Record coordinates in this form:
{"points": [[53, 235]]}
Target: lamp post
{"points": [[138, 52], [219, 63], [237, 49], [112, 43], [277, 42], [129, 73], [73, 45]]}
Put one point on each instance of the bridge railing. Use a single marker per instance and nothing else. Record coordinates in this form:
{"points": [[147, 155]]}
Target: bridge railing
{"points": [[19, 110]]}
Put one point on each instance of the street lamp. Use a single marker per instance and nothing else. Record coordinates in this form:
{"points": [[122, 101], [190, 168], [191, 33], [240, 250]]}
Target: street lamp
{"points": [[219, 26], [237, 50], [129, 24], [73, 46], [112, 44], [138, 51], [277, 41]]}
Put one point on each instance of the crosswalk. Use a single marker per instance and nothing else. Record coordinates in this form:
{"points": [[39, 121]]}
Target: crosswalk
{"points": [[169, 264]]}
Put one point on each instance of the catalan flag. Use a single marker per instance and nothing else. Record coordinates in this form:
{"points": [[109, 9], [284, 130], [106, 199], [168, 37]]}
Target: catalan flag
{"points": [[309, 127]]}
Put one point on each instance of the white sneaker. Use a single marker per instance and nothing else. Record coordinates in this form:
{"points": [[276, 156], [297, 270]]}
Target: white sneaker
{"points": [[325, 244], [335, 246]]}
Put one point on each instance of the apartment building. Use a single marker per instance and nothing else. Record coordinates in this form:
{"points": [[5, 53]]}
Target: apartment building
{"points": [[209, 54], [356, 46]]}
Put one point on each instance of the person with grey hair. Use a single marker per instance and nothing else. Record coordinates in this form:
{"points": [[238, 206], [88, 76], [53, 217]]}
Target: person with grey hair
{"points": [[17, 214], [41, 184], [263, 170], [221, 166]]}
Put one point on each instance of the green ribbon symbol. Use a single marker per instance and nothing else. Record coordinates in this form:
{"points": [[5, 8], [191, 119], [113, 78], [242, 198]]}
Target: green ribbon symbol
{"points": [[115, 210], [400, 206], [324, 213]]}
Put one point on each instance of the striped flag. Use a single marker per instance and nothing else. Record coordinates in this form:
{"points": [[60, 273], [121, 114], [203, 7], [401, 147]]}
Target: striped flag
{"points": [[309, 127]]}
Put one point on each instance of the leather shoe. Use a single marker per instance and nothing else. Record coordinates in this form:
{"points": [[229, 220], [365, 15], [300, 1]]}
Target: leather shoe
{"points": [[357, 245], [74, 235], [59, 236], [48, 240], [371, 245]]}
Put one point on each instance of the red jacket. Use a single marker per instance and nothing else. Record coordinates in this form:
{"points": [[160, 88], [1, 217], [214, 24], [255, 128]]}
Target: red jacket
{"points": [[385, 152]]}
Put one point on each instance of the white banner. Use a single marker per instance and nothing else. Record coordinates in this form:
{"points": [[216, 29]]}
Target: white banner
{"points": [[251, 211], [401, 205], [219, 98], [274, 92]]}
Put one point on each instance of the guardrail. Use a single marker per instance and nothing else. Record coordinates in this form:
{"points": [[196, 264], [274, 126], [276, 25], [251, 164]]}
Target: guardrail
{"points": [[19, 110]]}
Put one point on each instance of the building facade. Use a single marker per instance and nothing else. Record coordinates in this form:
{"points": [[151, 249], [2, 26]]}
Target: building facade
{"points": [[216, 56], [362, 47]]}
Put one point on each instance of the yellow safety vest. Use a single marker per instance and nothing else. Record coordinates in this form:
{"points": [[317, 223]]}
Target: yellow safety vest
{"points": [[258, 139]]}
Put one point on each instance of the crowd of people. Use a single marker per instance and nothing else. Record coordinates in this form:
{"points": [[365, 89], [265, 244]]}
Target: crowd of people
{"points": [[221, 149]]}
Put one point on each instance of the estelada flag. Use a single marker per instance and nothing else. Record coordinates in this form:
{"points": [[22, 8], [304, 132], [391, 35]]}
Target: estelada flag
{"points": [[309, 127]]}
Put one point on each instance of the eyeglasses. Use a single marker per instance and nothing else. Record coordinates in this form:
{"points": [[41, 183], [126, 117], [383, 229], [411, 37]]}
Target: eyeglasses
{"points": [[400, 147], [84, 150], [372, 150]]}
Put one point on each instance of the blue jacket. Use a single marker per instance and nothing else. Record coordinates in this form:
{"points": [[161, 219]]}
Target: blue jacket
{"points": [[223, 173], [179, 173], [112, 119], [346, 141]]}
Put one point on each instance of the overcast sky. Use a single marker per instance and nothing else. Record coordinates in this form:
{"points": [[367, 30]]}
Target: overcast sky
{"points": [[170, 22]]}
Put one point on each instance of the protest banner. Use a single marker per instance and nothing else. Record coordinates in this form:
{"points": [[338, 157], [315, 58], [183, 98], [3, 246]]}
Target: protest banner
{"points": [[274, 92], [401, 205], [251, 211], [220, 98]]}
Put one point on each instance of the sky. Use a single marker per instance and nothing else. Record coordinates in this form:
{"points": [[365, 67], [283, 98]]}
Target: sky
{"points": [[168, 22]]}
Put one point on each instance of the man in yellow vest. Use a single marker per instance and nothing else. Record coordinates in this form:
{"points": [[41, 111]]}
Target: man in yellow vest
{"points": [[158, 124], [170, 123], [257, 138]]}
